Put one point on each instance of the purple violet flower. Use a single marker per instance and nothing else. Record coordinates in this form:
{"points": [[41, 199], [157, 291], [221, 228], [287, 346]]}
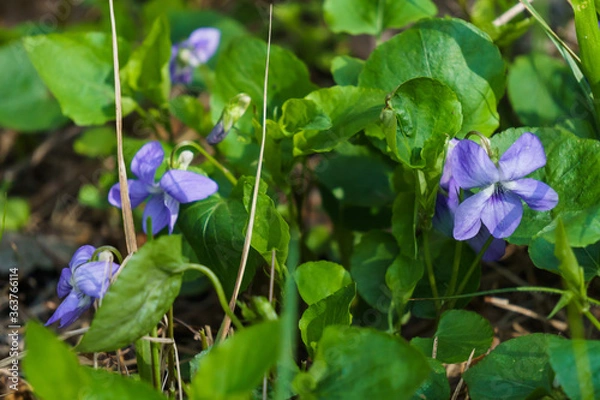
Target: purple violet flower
{"points": [[175, 187], [197, 49], [501, 187], [445, 210], [81, 283]]}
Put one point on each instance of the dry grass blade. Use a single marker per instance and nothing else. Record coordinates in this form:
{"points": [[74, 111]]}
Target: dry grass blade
{"points": [[125, 203], [461, 382], [246, 249]]}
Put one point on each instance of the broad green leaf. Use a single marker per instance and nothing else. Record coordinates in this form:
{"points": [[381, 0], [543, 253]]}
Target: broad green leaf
{"points": [[346, 69], [319, 279], [153, 9], [232, 369], [373, 16], [350, 109], [357, 176], [371, 259], [332, 310], [142, 293], [54, 372], [147, 70], [96, 142], [86, 92], [541, 252], [355, 363], [436, 386], [542, 90], [451, 51], [188, 110], [216, 228], [582, 227], [26, 104], [241, 69], [455, 343], [577, 366], [50, 366], [271, 232], [303, 114], [515, 370], [572, 170], [401, 278], [425, 109]]}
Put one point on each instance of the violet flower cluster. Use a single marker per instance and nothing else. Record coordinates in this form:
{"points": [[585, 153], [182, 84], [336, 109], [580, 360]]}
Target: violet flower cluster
{"points": [[175, 187], [496, 209], [187, 55], [84, 281]]}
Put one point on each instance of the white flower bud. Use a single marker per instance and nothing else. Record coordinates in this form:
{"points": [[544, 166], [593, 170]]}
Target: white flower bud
{"points": [[185, 159], [106, 256]]}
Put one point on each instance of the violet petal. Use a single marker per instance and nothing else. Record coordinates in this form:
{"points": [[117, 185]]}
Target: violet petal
{"points": [[70, 309], [157, 212], [173, 207], [204, 43], [81, 256], [147, 160], [502, 214], [93, 278], [187, 186], [538, 195], [472, 167], [523, 157], [138, 192], [467, 219], [64, 283]]}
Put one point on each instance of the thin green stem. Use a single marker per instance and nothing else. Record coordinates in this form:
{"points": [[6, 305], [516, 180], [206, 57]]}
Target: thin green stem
{"points": [[208, 157], [593, 301], [592, 319], [390, 318], [455, 269], [473, 266], [172, 375], [575, 322], [531, 289], [220, 293], [430, 272], [155, 349]]}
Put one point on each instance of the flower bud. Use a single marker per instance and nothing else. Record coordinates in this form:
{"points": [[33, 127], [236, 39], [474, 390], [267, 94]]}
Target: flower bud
{"points": [[185, 159]]}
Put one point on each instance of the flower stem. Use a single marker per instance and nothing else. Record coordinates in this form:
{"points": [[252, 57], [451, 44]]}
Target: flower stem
{"points": [[430, 272], [154, 346], [532, 289], [208, 157], [455, 269], [220, 293], [472, 268], [592, 319], [172, 374]]}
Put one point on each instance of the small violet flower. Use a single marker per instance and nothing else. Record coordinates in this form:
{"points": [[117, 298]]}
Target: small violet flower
{"points": [[502, 187], [175, 187], [445, 210], [197, 49], [84, 281]]}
